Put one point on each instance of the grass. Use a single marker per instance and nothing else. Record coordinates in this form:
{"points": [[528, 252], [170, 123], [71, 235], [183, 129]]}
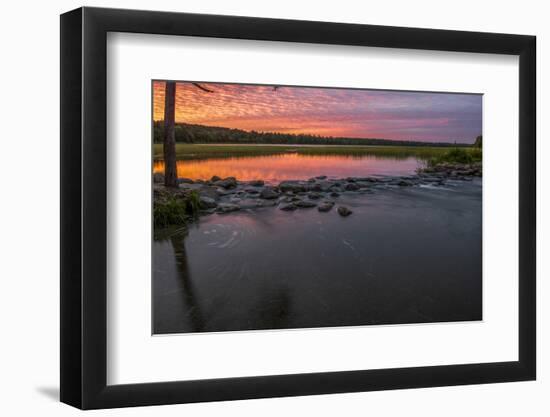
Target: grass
{"points": [[457, 156], [175, 209], [198, 151]]}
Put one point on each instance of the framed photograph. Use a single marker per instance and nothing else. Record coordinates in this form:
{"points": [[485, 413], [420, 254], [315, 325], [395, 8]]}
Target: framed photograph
{"points": [[257, 208]]}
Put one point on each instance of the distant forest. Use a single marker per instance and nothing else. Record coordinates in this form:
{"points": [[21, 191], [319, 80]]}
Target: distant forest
{"points": [[189, 133]]}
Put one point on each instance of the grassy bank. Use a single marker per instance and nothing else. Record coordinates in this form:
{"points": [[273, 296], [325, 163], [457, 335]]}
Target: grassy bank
{"points": [[457, 156], [199, 151]]}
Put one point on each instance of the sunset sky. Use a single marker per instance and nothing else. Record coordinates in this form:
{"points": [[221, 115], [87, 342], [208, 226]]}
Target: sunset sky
{"points": [[430, 117]]}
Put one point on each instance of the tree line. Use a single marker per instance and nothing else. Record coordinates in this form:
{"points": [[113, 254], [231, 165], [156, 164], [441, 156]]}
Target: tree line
{"points": [[192, 133]]}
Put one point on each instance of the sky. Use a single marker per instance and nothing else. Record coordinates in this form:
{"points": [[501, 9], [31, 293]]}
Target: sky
{"points": [[397, 115]]}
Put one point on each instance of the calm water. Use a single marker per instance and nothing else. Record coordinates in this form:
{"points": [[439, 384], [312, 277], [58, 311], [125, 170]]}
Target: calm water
{"points": [[406, 255], [276, 168]]}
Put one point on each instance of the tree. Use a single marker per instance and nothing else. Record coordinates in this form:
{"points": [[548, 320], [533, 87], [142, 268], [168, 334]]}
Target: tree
{"points": [[169, 144], [170, 168], [478, 142]]}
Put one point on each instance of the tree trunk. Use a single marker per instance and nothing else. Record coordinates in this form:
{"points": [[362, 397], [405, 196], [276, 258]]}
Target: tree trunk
{"points": [[170, 172]]}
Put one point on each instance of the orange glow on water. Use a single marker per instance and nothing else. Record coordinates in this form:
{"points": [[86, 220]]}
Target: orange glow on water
{"points": [[275, 168]]}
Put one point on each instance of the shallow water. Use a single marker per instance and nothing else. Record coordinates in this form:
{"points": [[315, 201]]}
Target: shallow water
{"points": [[405, 255], [276, 168]]}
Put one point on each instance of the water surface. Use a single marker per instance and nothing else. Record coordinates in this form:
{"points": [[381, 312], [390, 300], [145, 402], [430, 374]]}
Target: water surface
{"points": [[406, 255], [276, 168]]}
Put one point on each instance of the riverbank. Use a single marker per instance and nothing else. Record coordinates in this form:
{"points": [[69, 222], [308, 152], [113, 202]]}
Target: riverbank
{"points": [[204, 151]]}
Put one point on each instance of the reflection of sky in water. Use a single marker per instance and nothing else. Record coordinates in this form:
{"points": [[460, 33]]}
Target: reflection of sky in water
{"points": [[275, 168]]}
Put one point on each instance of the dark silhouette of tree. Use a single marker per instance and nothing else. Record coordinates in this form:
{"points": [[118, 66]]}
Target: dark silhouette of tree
{"points": [[170, 165], [170, 169]]}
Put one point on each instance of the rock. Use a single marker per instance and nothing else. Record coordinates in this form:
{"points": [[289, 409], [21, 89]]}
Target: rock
{"points": [[334, 194], [315, 187], [268, 193], [293, 186], [185, 181], [314, 196], [288, 207], [227, 207], [305, 204], [256, 183], [227, 183], [266, 203], [311, 180], [208, 191], [321, 177], [404, 183], [351, 186], [344, 211], [325, 206], [158, 177], [251, 190], [215, 178], [207, 203]]}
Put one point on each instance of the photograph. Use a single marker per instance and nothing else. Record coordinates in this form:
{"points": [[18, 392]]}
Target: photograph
{"points": [[294, 207]]}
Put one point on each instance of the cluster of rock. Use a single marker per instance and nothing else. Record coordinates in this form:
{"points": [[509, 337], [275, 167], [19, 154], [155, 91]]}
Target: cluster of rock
{"points": [[455, 171], [224, 195]]}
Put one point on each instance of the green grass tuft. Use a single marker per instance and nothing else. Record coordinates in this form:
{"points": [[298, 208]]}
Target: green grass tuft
{"points": [[175, 209], [457, 156]]}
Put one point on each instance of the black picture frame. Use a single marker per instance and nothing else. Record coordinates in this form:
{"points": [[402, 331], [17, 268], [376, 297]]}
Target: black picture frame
{"points": [[84, 207]]}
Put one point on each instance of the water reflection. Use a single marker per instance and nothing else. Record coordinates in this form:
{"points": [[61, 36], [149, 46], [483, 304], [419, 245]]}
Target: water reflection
{"points": [[405, 256], [190, 302], [273, 168]]}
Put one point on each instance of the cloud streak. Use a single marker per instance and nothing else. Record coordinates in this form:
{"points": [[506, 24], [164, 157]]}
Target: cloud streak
{"points": [[430, 117]]}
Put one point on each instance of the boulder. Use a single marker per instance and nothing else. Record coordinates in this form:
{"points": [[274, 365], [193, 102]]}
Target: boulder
{"points": [[325, 206], [334, 194], [288, 206], [305, 204], [321, 177], [227, 207], [256, 183], [344, 211], [314, 196], [158, 177], [351, 186], [227, 183], [215, 178], [185, 181], [207, 203], [268, 193], [293, 186]]}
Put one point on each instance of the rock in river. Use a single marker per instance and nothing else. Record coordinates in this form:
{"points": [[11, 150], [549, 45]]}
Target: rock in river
{"points": [[305, 204], [325, 206], [227, 207], [158, 177], [229, 182], [288, 206], [268, 193], [293, 186], [185, 181], [344, 211], [351, 186], [207, 202]]}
